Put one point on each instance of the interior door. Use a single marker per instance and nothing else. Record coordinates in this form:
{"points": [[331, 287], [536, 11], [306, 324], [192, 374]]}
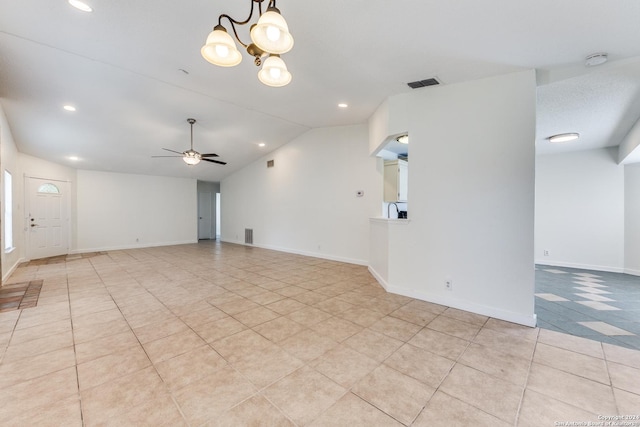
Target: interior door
{"points": [[47, 218], [205, 215]]}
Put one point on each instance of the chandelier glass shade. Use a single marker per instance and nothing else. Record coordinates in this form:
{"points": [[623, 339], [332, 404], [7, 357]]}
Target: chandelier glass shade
{"points": [[270, 37], [274, 72], [220, 49], [271, 33]]}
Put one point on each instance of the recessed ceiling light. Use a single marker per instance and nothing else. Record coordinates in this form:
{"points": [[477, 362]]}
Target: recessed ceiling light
{"points": [[74, 158], [80, 5], [404, 139], [262, 144], [343, 105], [564, 137], [69, 108], [595, 59]]}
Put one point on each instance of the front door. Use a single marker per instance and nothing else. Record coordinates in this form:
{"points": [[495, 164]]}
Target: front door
{"points": [[47, 218]]}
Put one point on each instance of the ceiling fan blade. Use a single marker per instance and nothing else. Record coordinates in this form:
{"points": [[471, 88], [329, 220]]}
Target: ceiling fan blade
{"points": [[214, 161], [167, 156], [173, 151], [209, 155]]}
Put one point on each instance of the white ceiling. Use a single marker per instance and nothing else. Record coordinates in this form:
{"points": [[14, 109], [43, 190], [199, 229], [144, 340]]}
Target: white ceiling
{"points": [[120, 66]]}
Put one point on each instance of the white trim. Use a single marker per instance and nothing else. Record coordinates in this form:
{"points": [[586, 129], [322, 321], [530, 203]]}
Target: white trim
{"points": [[632, 272], [304, 253], [392, 221], [508, 316], [378, 277], [11, 270], [136, 246], [47, 179], [581, 266]]}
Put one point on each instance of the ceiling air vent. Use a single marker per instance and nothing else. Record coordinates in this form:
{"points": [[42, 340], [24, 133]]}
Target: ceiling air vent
{"points": [[423, 83]]}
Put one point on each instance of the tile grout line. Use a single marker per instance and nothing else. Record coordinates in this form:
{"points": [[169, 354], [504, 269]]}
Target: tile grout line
{"points": [[75, 354], [170, 393], [526, 381], [455, 363], [606, 362]]}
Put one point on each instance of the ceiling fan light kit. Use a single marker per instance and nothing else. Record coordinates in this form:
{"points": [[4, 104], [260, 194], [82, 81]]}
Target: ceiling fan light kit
{"points": [[270, 37], [191, 156]]}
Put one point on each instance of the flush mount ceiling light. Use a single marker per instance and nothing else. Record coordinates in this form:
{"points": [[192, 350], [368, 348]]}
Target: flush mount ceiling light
{"points": [[564, 137], [69, 108], [404, 139], [270, 38], [595, 59], [80, 5], [343, 105]]}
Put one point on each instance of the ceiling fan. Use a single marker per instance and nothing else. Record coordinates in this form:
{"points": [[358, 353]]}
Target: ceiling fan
{"points": [[191, 156]]}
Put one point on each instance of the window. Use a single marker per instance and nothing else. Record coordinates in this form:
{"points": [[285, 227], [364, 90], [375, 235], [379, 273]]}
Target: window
{"points": [[8, 212], [48, 188]]}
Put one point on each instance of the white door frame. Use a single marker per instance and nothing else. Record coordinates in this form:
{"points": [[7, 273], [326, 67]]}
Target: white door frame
{"points": [[27, 206]]}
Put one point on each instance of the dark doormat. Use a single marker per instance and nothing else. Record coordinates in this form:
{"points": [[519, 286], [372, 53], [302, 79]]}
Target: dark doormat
{"points": [[15, 296]]}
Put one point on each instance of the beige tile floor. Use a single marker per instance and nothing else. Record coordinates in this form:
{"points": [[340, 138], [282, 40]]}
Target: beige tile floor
{"points": [[218, 334]]}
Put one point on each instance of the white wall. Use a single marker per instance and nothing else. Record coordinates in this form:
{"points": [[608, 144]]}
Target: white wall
{"points": [[307, 202], [580, 210], [632, 219], [117, 211], [9, 162], [471, 198], [20, 166]]}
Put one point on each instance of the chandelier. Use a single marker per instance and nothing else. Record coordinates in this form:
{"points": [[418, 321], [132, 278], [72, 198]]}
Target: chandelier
{"points": [[270, 37]]}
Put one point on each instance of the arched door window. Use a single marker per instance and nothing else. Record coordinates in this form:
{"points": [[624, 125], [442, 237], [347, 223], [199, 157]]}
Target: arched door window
{"points": [[48, 188]]}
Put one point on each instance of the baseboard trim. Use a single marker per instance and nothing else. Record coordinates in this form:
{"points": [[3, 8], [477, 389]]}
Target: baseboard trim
{"points": [[378, 278], [494, 312], [632, 272], [135, 246], [299, 252], [12, 270], [580, 266]]}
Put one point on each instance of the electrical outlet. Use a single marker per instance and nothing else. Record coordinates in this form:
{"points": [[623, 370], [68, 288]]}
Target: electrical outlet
{"points": [[546, 252], [448, 283]]}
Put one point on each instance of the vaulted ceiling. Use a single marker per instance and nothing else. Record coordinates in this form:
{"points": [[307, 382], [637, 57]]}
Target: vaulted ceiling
{"points": [[134, 72]]}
